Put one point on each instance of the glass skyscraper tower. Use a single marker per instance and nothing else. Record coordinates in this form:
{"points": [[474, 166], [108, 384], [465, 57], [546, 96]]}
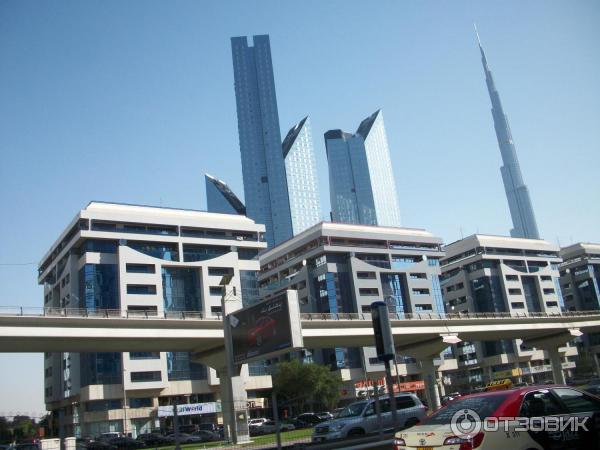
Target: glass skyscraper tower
{"points": [[301, 172], [361, 181], [517, 194], [220, 198], [263, 168]]}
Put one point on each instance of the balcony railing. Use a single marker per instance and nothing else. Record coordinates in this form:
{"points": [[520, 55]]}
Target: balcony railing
{"points": [[29, 311]]}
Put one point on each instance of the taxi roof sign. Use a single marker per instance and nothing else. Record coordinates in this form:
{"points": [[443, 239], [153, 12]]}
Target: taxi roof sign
{"points": [[499, 385]]}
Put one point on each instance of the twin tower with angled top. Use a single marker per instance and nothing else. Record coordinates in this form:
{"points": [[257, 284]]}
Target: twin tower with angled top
{"points": [[280, 177]]}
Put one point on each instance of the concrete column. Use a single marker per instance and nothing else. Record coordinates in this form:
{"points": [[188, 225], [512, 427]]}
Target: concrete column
{"points": [[429, 376], [556, 361], [234, 403]]}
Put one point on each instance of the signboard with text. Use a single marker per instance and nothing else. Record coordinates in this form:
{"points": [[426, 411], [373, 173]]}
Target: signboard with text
{"points": [[190, 409], [266, 329]]}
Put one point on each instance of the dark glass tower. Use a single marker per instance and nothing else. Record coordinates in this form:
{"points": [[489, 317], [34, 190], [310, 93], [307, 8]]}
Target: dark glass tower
{"points": [[263, 167], [517, 194]]}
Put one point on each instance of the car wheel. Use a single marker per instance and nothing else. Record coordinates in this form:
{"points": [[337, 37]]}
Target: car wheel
{"points": [[356, 432]]}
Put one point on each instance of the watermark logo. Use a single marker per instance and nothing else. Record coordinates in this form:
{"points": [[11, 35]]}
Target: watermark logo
{"points": [[465, 423]]}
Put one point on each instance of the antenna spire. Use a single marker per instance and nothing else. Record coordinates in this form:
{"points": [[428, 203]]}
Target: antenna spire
{"points": [[477, 34]]}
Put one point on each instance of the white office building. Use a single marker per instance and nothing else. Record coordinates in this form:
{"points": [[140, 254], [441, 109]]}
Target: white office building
{"points": [[140, 260]]}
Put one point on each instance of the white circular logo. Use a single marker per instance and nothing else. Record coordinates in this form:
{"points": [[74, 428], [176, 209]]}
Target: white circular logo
{"points": [[465, 423]]}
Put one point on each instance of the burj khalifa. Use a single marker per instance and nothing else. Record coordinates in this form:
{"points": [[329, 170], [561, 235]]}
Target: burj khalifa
{"points": [[517, 194]]}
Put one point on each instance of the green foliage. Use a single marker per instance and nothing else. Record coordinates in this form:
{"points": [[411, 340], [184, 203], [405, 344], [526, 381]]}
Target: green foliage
{"points": [[23, 427], [306, 384]]}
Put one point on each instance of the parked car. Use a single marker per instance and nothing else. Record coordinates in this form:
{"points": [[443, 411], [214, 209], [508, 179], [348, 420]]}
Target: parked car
{"points": [[109, 435], [360, 418], [185, 438], [126, 443], [594, 390], [257, 421], [98, 444], [209, 427], [448, 398], [325, 415], [153, 439], [532, 401], [207, 436], [310, 418], [336, 412]]}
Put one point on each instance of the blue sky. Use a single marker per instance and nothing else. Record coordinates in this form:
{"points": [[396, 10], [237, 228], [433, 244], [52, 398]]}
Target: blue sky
{"points": [[133, 101]]}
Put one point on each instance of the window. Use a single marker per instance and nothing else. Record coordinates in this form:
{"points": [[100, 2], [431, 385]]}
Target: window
{"points": [[193, 253], [375, 361], [98, 246], [577, 402], [247, 253], [514, 291], [144, 355], [144, 402], [368, 291], [517, 305], [216, 290], [418, 276], [216, 310], [404, 402], [366, 275], [366, 308], [541, 403], [141, 289], [548, 291], [546, 278], [219, 271], [161, 250], [140, 268], [551, 304], [145, 309], [139, 228], [103, 405], [420, 308], [142, 377], [420, 291], [512, 277]]}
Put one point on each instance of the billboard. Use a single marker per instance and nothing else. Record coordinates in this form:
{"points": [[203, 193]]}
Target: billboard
{"points": [[190, 409], [266, 329]]}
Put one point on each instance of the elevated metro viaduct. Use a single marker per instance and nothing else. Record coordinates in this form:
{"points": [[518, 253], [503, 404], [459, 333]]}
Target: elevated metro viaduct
{"points": [[421, 336]]}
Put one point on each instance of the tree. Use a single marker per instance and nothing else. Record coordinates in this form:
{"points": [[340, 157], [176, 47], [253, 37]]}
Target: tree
{"points": [[23, 427], [299, 385], [5, 433]]}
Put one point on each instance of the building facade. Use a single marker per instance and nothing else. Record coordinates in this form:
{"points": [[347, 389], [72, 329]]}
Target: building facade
{"points": [[140, 260], [517, 194], [220, 198], [343, 268], [301, 173], [496, 274], [580, 284], [361, 181], [263, 168]]}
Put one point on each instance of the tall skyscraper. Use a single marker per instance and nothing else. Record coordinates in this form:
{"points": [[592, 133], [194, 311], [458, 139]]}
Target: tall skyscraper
{"points": [[301, 172], [263, 169], [220, 198], [361, 181], [517, 194]]}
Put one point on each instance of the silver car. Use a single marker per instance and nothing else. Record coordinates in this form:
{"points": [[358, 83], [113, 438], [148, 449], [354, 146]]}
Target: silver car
{"points": [[360, 418]]}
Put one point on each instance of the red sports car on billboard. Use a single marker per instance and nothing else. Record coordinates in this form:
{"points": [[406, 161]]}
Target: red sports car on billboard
{"points": [[265, 327]]}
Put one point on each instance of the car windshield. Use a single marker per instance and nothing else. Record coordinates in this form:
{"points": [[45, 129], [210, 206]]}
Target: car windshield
{"points": [[484, 406], [353, 410]]}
